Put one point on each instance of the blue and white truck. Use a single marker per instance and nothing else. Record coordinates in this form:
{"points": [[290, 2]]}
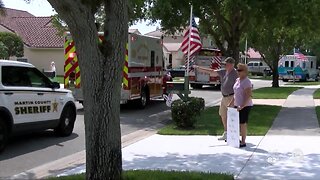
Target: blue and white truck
{"points": [[290, 67]]}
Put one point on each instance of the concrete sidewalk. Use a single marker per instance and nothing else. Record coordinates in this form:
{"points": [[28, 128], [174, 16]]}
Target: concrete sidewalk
{"points": [[263, 158], [292, 142], [290, 150], [298, 115]]}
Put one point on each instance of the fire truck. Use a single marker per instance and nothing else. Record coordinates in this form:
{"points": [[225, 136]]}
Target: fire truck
{"points": [[142, 73], [209, 58]]}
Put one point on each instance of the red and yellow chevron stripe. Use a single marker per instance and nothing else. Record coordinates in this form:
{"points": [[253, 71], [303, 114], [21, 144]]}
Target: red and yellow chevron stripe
{"points": [[125, 80], [71, 63]]}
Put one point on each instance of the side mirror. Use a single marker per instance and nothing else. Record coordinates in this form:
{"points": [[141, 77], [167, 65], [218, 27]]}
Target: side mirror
{"points": [[55, 85]]}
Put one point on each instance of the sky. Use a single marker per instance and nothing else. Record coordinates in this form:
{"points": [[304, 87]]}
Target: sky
{"points": [[43, 8]]}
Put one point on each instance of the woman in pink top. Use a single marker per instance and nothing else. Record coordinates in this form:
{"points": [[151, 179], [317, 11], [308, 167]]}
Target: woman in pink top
{"points": [[242, 100]]}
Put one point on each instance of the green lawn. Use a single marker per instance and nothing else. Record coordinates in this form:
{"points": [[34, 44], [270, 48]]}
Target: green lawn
{"points": [[316, 94], [310, 83], [318, 113], [273, 93], [159, 175], [59, 79], [209, 123]]}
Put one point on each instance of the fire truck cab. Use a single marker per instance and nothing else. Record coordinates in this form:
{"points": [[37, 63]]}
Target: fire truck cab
{"points": [[142, 73], [209, 58]]}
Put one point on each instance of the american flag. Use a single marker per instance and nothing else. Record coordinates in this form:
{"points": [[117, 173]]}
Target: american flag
{"points": [[191, 35], [299, 55]]}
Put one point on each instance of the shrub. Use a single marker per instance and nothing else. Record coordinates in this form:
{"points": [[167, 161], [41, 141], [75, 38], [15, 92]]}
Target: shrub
{"points": [[184, 113]]}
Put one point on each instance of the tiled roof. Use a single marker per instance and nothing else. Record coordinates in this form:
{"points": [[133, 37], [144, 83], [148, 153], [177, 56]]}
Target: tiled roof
{"points": [[253, 54], [38, 32], [159, 33], [6, 20], [35, 32]]}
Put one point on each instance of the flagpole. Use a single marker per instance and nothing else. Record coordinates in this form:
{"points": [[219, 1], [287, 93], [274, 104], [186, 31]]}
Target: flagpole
{"points": [[186, 76], [246, 49]]}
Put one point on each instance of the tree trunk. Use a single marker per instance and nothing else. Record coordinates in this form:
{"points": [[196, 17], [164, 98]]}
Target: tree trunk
{"points": [[275, 59], [275, 75], [234, 48], [101, 71]]}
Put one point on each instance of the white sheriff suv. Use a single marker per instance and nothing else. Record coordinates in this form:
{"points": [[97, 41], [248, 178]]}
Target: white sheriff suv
{"points": [[29, 102]]}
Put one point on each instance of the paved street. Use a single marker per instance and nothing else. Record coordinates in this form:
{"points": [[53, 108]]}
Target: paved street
{"points": [[29, 151]]}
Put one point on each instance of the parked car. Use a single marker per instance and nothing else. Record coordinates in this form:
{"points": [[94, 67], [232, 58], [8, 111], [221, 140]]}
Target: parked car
{"points": [[259, 68], [29, 102]]}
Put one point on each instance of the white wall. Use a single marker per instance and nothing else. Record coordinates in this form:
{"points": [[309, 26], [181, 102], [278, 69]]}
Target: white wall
{"points": [[42, 58]]}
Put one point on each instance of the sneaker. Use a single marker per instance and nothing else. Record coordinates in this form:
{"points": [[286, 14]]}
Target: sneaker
{"points": [[223, 137]]}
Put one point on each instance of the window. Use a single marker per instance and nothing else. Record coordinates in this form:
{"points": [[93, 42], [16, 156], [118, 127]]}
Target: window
{"points": [[304, 65], [256, 64], [250, 64], [261, 64], [311, 64], [37, 78], [152, 58], [291, 63], [286, 64], [24, 77], [170, 58]]}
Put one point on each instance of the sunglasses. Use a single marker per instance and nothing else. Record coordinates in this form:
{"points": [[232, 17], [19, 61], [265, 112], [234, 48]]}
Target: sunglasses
{"points": [[240, 70]]}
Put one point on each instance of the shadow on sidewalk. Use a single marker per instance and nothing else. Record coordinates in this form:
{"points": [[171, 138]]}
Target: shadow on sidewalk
{"points": [[282, 166]]}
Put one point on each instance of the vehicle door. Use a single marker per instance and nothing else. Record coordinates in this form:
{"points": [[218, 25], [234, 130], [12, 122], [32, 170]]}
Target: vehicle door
{"points": [[256, 67], [261, 67], [18, 93], [250, 67], [49, 101]]}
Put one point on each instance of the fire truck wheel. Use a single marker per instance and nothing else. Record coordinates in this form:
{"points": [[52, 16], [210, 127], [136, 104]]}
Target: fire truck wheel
{"points": [[4, 134], [143, 101]]}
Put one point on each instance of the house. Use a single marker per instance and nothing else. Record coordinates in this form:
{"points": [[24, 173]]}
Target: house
{"points": [[42, 45], [171, 47], [252, 55]]}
